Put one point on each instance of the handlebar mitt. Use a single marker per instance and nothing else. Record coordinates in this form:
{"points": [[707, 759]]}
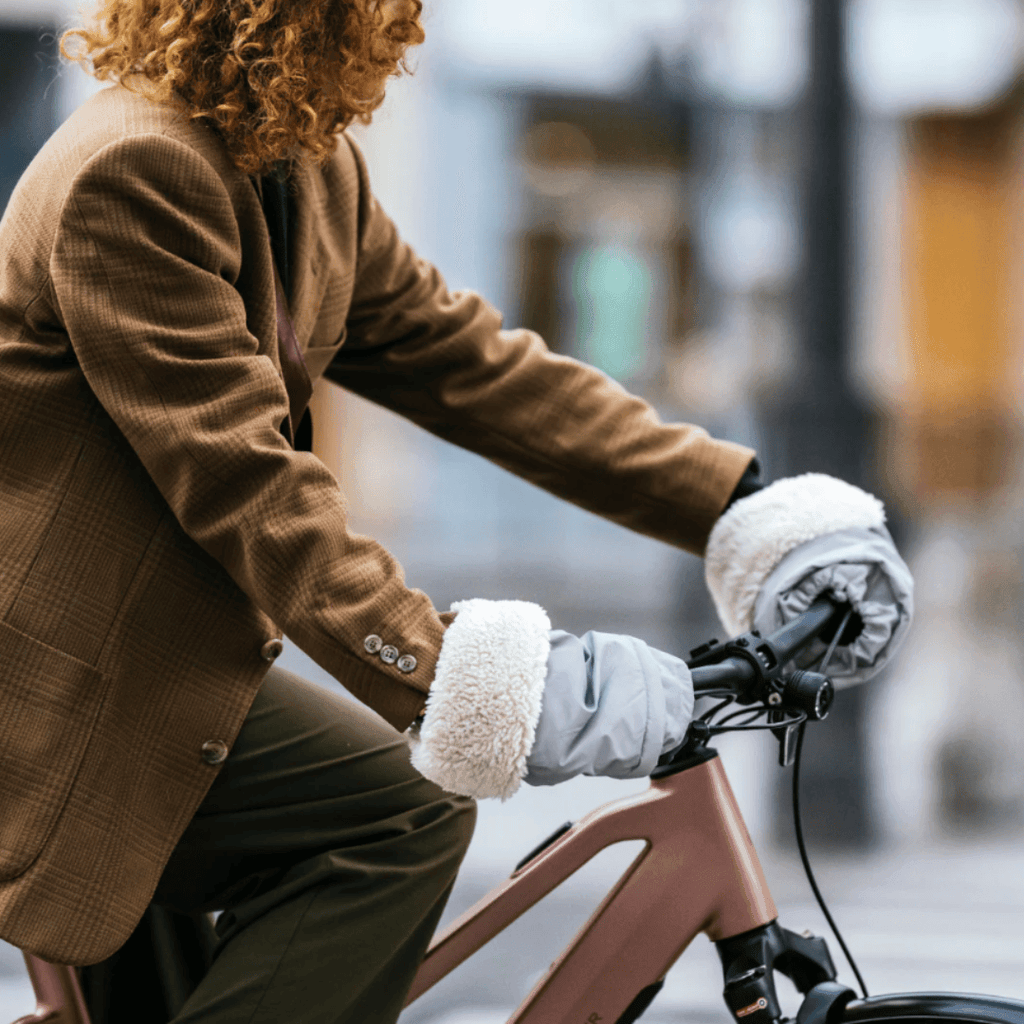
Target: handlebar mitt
{"points": [[612, 706], [481, 713], [773, 553], [513, 700]]}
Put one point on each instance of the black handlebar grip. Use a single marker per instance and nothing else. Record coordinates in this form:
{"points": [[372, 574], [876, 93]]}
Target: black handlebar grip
{"points": [[737, 673], [789, 640], [730, 674], [810, 692]]}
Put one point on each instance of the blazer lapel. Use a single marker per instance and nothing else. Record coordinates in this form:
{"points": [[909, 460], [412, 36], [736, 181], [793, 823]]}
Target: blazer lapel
{"points": [[293, 368], [305, 275], [309, 276]]}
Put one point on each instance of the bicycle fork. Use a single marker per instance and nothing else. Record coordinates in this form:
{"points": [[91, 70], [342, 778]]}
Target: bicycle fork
{"points": [[748, 963]]}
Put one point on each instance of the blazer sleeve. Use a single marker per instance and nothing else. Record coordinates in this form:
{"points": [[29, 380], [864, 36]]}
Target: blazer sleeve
{"points": [[444, 361], [143, 267]]}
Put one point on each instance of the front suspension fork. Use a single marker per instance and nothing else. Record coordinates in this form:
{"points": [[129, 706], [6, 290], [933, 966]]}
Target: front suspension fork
{"points": [[748, 963]]}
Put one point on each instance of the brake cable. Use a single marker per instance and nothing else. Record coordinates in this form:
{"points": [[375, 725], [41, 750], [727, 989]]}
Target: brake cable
{"points": [[798, 827]]}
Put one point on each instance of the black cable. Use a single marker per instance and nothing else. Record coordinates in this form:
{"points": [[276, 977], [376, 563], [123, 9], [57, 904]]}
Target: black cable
{"points": [[755, 713], [798, 826], [806, 861], [835, 641], [752, 725], [708, 715]]}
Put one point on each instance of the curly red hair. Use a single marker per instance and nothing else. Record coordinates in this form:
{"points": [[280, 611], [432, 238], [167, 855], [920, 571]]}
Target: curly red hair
{"points": [[276, 78]]}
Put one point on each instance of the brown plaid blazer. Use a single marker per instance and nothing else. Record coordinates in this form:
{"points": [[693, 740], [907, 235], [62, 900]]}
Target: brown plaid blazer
{"points": [[156, 529]]}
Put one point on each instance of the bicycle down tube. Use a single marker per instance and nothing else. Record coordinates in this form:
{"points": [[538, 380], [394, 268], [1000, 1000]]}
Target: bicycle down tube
{"points": [[697, 873]]}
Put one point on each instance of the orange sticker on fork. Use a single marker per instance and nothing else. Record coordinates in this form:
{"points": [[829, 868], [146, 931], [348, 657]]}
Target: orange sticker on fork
{"points": [[761, 1004]]}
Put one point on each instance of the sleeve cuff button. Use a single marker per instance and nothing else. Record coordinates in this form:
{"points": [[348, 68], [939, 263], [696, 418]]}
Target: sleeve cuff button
{"points": [[373, 644], [214, 752], [406, 663], [389, 654], [271, 649]]}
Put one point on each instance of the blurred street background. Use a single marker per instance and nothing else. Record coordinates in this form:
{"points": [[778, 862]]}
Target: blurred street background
{"points": [[799, 223]]}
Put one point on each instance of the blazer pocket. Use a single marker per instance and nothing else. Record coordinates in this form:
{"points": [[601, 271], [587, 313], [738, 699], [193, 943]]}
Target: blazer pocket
{"points": [[49, 702]]}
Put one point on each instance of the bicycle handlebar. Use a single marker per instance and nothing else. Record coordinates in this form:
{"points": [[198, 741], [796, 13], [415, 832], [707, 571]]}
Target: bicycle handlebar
{"points": [[737, 671], [794, 636], [731, 674], [752, 669]]}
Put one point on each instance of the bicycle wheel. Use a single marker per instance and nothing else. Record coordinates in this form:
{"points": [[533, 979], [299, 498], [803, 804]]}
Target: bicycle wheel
{"points": [[933, 1008]]}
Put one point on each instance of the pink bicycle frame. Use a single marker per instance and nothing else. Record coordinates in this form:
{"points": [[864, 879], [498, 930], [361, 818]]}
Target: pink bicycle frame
{"points": [[58, 995], [697, 873]]}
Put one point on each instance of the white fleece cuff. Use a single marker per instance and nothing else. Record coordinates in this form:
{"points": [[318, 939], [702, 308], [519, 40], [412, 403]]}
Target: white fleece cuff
{"points": [[482, 710], [758, 531]]}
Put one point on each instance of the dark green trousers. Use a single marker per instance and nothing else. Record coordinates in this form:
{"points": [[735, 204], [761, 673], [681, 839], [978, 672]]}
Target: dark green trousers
{"points": [[330, 857]]}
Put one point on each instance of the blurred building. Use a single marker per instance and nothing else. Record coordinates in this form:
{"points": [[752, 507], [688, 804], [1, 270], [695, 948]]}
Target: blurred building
{"points": [[630, 186], [941, 339]]}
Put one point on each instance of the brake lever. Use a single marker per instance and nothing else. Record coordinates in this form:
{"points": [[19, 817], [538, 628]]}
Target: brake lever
{"points": [[786, 735]]}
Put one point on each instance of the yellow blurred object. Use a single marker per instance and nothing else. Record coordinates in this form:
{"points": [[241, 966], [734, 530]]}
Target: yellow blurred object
{"points": [[959, 432]]}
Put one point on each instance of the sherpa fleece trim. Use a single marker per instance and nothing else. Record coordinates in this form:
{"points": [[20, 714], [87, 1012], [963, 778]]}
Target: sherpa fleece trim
{"points": [[758, 531], [482, 709]]}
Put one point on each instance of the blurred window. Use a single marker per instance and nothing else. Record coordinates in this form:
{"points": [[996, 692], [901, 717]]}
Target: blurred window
{"points": [[612, 288], [605, 244]]}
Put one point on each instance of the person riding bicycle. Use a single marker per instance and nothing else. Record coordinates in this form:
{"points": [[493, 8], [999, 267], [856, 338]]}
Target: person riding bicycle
{"points": [[184, 255]]}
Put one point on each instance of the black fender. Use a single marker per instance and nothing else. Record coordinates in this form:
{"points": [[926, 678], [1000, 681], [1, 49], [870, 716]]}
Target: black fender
{"points": [[921, 1007]]}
